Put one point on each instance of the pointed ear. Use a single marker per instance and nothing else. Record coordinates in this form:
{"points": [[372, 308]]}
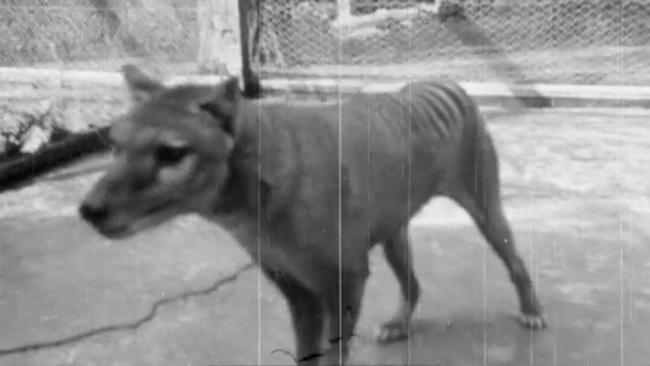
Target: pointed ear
{"points": [[223, 102], [141, 86]]}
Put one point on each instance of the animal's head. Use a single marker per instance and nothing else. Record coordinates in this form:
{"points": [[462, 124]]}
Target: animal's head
{"points": [[171, 155]]}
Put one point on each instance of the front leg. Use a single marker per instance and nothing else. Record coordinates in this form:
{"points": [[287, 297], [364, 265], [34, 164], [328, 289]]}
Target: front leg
{"points": [[343, 307], [307, 316]]}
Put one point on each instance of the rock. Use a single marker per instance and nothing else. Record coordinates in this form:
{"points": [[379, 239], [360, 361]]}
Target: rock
{"points": [[34, 139], [66, 116], [17, 116], [10, 121], [29, 122]]}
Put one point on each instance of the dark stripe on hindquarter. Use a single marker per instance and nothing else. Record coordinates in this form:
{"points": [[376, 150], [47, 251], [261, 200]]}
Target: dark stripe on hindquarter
{"points": [[424, 119], [463, 102], [436, 106], [446, 99]]}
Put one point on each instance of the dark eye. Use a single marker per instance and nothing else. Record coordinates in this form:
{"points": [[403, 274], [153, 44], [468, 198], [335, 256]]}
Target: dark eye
{"points": [[170, 155]]}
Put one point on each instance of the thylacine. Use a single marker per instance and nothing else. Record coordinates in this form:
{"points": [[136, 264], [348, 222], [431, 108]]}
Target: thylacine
{"points": [[308, 190]]}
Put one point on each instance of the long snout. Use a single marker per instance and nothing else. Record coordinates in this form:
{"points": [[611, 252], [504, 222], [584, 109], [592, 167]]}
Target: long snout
{"points": [[94, 212], [94, 207], [99, 214]]}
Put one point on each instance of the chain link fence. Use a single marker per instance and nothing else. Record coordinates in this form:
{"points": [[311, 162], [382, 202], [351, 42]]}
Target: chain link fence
{"points": [[38, 109], [523, 41], [550, 41], [96, 34]]}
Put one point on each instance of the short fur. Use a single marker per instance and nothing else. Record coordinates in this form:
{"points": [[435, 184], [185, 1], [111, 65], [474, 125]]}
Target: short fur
{"points": [[308, 190]]}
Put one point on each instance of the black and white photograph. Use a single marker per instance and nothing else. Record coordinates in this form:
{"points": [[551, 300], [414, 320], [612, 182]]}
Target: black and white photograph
{"points": [[324, 182]]}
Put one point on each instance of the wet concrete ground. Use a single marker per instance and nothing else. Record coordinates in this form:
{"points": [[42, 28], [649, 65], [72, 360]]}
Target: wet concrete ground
{"points": [[575, 190]]}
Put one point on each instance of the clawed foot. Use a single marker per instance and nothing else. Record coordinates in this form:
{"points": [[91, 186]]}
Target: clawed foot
{"points": [[392, 331], [533, 321]]}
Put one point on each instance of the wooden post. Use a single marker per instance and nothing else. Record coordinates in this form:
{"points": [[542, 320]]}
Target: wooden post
{"points": [[248, 12], [219, 41]]}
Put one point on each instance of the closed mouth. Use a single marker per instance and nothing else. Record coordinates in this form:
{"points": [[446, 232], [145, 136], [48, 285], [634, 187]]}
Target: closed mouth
{"points": [[149, 218], [114, 232], [157, 207]]}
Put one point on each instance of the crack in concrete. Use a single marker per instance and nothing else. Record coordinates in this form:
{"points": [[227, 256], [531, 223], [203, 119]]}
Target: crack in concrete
{"points": [[126, 326]]}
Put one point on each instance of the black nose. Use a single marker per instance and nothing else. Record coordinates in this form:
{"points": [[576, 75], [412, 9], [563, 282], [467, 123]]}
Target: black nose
{"points": [[93, 212]]}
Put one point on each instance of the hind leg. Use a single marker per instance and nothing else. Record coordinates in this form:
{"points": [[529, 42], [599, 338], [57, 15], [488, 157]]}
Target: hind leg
{"points": [[482, 200], [399, 257]]}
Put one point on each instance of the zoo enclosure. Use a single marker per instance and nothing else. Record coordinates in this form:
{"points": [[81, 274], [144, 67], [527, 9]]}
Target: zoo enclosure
{"points": [[549, 41], [516, 41]]}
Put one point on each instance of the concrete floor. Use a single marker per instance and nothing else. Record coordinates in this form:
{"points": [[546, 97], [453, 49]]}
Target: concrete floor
{"points": [[576, 192]]}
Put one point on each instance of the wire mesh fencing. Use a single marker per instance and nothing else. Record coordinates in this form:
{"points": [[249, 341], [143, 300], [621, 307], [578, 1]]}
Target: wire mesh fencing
{"points": [[96, 34], [553, 41]]}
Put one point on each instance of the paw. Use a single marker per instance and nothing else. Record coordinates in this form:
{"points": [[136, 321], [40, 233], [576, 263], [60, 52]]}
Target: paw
{"points": [[391, 332], [533, 321]]}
